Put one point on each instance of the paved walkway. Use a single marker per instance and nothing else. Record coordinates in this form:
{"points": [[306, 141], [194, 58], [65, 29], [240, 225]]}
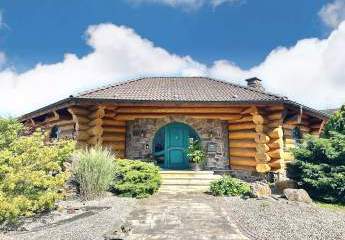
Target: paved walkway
{"points": [[183, 216], [180, 217]]}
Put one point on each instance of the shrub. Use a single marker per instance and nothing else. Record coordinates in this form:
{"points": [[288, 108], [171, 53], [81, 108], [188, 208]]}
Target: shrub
{"points": [[320, 167], [31, 172], [228, 186], [135, 178], [93, 170]]}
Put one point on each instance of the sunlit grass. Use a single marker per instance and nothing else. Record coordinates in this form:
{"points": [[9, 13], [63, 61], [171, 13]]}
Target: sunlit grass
{"points": [[331, 206]]}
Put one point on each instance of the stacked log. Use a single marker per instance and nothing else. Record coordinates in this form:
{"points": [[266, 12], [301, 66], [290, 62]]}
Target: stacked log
{"points": [[262, 139], [275, 117], [114, 134], [247, 141], [80, 116], [95, 129], [242, 144]]}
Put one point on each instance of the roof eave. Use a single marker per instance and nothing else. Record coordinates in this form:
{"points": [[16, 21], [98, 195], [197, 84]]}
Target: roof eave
{"points": [[82, 101]]}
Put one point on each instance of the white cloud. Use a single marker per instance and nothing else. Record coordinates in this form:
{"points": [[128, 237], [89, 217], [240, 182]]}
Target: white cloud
{"points": [[311, 72], [185, 4], [332, 14]]}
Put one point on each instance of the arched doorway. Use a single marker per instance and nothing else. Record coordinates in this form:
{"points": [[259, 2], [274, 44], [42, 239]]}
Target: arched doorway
{"points": [[170, 144]]}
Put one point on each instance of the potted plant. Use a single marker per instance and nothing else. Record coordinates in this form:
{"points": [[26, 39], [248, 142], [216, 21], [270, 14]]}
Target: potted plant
{"points": [[196, 155]]}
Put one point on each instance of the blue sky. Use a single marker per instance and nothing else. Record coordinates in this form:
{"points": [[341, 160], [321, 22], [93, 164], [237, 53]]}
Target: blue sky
{"points": [[279, 41], [243, 32]]}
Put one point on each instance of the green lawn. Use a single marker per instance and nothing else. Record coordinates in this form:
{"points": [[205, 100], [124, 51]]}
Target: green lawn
{"points": [[332, 206]]}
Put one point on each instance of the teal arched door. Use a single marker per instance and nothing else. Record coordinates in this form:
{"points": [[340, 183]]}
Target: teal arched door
{"points": [[170, 144]]}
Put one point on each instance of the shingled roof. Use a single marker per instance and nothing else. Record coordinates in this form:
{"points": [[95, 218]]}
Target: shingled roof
{"points": [[180, 89], [174, 90]]}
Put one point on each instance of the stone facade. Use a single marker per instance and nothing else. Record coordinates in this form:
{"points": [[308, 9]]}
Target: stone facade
{"points": [[213, 135]]}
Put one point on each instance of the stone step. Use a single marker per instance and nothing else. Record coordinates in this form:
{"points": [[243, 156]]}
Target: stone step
{"points": [[181, 188], [185, 171], [186, 176], [188, 181]]}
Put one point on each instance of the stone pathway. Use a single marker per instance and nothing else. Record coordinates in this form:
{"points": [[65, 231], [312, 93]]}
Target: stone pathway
{"points": [[182, 216]]}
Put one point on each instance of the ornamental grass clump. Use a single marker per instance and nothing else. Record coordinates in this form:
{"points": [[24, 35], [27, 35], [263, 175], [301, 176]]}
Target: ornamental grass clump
{"points": [[228, 186], [134, 178], [32, 175], [93, 169]]}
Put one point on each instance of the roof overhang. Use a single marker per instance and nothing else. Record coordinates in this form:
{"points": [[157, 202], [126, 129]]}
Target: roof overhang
{"points": [[73, 101]]}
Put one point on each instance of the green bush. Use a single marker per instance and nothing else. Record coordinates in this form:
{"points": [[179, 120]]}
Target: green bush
{"points": [[336, 123], [320, 167], [228, 186], [31, 172], [135, 178], [93, 169]]}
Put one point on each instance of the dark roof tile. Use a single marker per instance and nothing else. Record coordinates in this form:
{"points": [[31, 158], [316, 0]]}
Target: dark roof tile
{"points": [[184, 89]]}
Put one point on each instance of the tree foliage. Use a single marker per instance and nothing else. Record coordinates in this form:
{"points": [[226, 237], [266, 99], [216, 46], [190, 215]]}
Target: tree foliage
{"points": [[31, 171], [336, 123], [320, 162]]}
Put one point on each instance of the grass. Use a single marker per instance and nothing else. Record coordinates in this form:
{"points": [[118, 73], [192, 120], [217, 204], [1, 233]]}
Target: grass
{"points": [[331, 206]]}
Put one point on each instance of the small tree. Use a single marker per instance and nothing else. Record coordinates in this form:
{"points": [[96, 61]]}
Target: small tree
{"points": [[336, 123], [320, 162], [31, 172]]}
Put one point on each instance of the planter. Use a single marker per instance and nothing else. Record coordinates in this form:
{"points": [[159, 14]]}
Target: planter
{"points": [[196, 166]]}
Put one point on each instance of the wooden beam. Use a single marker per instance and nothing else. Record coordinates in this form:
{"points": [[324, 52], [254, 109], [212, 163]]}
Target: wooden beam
{"points": [[251, 110], [242, 135], [242, 143], [322, 126], [243, 161], [241, 126], [242, 152], [185, 110]]}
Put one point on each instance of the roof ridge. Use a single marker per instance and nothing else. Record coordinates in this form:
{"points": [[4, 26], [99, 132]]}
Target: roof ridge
{"points": [[247, 88]]}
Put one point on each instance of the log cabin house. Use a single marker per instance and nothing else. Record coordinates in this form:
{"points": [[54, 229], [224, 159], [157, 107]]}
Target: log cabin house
{"points": [[240, 127]]}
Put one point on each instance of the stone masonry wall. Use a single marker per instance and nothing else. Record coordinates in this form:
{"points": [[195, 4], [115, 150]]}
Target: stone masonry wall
{"points": [[213, 135]]}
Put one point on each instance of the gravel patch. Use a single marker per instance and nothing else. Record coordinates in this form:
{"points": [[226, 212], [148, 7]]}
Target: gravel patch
{"points": [[84, 220], [281, 219]]}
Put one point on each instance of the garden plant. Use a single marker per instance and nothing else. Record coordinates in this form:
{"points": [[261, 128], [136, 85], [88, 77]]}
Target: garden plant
{"points": [[32, 175], [134, 178], [228, 186], [93, 169], [320, 162]]}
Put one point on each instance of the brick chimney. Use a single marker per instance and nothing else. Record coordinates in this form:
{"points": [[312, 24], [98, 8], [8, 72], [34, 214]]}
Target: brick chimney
{"points": [[255, 83]]}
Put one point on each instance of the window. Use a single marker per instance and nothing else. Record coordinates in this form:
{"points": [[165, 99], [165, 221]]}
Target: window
{"points": [[297, 134], [54, 133]]}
